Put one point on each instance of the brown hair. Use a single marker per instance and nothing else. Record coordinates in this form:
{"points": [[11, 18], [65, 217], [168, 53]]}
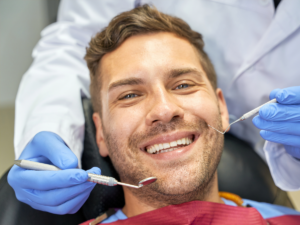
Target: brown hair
{"points": [[141, 20]]}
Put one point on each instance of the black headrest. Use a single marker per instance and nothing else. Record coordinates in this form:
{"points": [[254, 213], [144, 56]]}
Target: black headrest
{"points": [[241, 171], [102, 197]]}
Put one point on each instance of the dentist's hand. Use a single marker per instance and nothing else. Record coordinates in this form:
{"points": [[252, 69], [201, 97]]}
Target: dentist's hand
{"points": [[280, 122], [58, 192]]}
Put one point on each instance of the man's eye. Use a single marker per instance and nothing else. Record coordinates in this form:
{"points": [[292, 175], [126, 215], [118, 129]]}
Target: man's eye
{"points": [[181, 86], [129, 96]]}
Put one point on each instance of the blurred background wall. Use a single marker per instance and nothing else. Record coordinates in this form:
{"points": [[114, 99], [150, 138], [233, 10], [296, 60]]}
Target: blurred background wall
{"points": [[21, 23]]}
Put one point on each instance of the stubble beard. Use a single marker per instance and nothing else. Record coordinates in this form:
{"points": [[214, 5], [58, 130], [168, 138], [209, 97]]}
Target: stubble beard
{"points": [[187, 184]]}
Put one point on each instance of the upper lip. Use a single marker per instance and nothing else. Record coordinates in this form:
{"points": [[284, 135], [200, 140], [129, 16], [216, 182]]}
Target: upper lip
{"points": [[167, 138]]}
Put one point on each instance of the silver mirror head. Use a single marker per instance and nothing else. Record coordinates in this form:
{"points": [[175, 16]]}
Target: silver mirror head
{"points": [[147, 181]]}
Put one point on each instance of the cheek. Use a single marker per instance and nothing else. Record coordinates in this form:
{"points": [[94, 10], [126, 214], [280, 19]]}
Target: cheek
{"points": [[122, 123], [200, 105]]}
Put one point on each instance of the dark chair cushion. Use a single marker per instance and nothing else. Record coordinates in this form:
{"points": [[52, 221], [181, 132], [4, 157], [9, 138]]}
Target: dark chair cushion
{"points": [[102, 197], [243, 172]]}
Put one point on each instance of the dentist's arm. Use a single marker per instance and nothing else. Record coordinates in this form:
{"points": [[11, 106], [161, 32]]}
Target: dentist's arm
{"points": [[49, 95], [49, 124]]}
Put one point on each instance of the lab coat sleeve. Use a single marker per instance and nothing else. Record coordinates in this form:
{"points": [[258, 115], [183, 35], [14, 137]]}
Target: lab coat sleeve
{"points": [[284, 168], [49, 95]]}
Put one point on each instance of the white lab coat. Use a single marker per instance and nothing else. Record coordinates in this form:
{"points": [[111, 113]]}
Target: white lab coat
{"points": [[253, 50]]}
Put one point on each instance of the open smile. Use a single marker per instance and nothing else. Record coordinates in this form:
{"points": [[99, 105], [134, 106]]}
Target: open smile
{"points": [[170, 146], [169, 143]]}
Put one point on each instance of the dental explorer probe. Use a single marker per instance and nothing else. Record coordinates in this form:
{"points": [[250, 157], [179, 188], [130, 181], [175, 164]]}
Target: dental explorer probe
{"points": [[245, 116], [99, 179]]}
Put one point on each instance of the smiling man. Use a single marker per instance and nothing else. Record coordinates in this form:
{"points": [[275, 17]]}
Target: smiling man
{"points": [[154, 93]]}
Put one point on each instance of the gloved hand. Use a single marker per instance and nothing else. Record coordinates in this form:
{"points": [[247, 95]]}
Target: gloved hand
{"points": [[280, 122], [58, 192]]}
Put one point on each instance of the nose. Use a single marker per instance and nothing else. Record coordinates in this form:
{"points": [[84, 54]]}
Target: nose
{"points": [[164, 108]]}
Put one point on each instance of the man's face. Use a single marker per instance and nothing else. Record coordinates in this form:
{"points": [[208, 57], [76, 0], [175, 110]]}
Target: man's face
{"points": [[156, 105]]}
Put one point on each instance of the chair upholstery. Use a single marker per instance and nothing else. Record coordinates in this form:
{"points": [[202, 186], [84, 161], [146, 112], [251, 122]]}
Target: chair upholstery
{"points": [[102, 197], [241, 171]]}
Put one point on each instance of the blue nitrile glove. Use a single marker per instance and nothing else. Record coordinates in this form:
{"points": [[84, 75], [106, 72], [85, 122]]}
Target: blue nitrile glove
{"points": [[280, 122], [58, 192]]}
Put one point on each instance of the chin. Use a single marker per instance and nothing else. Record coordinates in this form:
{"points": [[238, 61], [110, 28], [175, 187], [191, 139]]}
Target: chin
{"points": [[183, 181]]}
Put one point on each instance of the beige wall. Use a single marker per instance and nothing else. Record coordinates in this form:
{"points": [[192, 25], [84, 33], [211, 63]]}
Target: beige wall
{"points": [[6, 138], [20, 25]]}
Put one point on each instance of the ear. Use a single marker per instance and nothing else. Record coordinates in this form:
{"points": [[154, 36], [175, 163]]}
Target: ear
{"points": [[99, 135], [223, 109]]}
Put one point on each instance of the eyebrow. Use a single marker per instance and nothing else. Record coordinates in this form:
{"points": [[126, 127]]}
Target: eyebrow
{"points": [[173, 73], [128, 81]]}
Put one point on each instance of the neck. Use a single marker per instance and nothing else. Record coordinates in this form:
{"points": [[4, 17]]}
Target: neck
{"points": [[135, 206]]}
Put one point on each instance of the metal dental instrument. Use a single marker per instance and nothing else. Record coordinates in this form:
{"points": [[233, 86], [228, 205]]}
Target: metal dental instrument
{"points": [[99, 179], [245, 116]]}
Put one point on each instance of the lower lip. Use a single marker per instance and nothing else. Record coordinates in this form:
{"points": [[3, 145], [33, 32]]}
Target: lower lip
{"points": [[173, 154]]}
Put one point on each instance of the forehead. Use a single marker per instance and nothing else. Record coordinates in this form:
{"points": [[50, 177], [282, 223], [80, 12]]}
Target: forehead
{"points": [[148, 54]]}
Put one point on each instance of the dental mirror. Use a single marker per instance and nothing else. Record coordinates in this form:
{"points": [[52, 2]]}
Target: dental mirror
{"points": [[147, 181], [142, 183]]}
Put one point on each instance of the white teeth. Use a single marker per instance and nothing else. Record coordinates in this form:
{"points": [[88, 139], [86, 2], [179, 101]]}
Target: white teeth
{"points": [[151, 149], [179, 142], [167, 147], [173, 143]]}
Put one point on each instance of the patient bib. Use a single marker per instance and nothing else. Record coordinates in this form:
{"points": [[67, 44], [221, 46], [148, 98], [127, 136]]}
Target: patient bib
{"points": [[207, 213]]}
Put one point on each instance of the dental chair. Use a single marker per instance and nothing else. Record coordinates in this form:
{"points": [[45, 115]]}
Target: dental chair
{"points": [[241, 171]]}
